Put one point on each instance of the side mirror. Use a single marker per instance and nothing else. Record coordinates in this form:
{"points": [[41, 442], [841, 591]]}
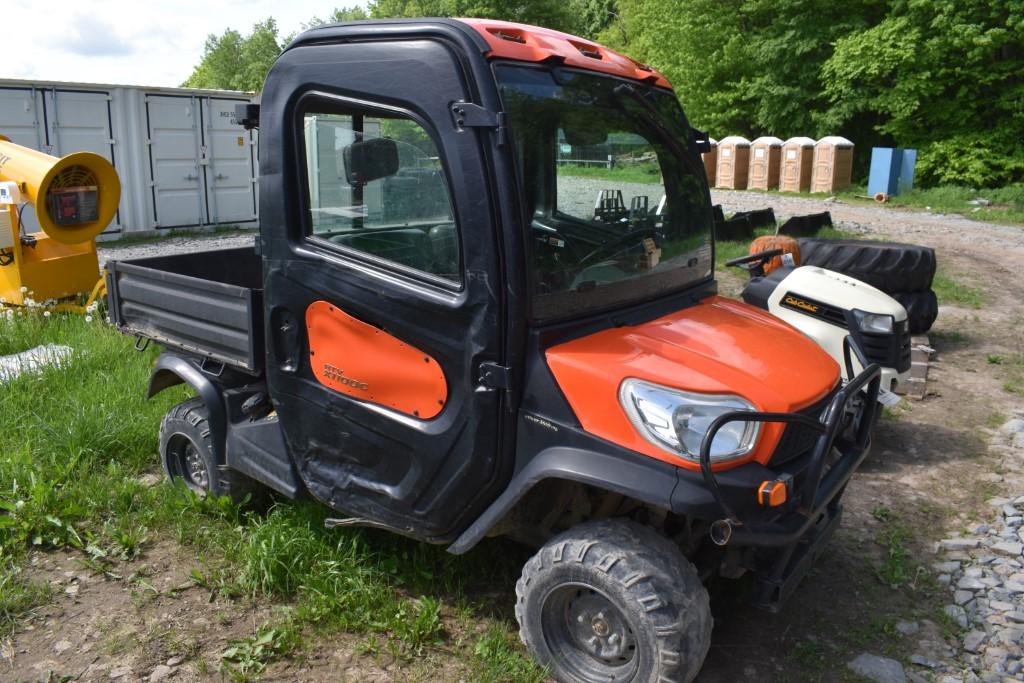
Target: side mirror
{"points": [[370, 160]]}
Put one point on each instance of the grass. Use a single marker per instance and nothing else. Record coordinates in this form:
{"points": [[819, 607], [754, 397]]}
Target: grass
{"points": [[951, 291], [727, 250], [75, 444], [1006, 205], [635, 173]]}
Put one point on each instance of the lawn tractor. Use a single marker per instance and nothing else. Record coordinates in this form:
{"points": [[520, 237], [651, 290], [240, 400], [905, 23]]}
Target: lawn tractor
{"points": [[75, 198], [832, 309], [439, 336]]}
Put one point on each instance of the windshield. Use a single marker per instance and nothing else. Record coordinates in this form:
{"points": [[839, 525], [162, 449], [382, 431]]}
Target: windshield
{"points": [[619, 206]]}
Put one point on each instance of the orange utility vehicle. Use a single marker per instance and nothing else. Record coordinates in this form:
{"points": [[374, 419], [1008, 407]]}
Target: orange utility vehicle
{"points": [[441, 333]]}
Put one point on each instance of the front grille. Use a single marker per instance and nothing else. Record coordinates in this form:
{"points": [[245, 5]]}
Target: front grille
{"points": [[798, 439], [888, 350]]}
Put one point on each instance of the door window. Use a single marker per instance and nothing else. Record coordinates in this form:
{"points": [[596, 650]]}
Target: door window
{"points": [[376, 185]]}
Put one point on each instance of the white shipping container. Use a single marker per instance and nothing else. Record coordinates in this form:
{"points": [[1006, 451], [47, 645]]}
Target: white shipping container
{"points": [[182, 160]]}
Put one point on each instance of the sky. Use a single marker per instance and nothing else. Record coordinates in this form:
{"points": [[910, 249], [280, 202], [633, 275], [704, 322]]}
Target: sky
{"points": [[134, 43]]}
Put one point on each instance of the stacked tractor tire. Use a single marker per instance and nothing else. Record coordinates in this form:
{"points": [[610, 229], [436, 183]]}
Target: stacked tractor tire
{"points": [[903, 271]]}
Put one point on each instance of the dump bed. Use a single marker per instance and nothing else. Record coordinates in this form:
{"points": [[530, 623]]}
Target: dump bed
{"points": [[205, 303]]}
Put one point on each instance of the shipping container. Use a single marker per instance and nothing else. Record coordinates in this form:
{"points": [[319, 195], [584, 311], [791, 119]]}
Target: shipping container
{"points": [[765, 154], [796, 165], [833, 164], [182, 160], [733, 163]]}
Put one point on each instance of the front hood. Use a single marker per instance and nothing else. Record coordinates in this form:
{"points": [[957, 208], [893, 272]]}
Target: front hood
{"points": [[719, 346]]}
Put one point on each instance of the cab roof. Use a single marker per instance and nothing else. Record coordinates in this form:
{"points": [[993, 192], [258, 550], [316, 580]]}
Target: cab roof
{"points": [[522, 42], [495, 39]]}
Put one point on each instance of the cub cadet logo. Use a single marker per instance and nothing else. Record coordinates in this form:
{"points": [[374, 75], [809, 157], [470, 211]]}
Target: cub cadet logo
{"points": [[4, 159], [797, 303], [338, 375]]}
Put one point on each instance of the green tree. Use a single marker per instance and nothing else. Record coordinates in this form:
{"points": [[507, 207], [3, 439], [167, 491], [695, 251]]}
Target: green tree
{"points": [[232, 61], [556, 14], [944, 76]]}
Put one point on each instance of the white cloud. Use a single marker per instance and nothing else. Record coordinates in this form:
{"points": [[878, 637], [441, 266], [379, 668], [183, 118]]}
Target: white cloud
{"points": [[131, 42]]}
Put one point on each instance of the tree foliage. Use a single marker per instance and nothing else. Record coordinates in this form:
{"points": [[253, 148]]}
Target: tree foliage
{"points": [[945, 76]]}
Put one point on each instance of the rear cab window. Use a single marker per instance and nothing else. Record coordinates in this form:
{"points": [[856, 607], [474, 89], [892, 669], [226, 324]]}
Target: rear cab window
{"points": [[376, 187]]}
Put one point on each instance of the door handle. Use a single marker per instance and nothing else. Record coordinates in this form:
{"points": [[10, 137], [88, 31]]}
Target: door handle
{"points": [[191, 177], [220, 176], [285, 339]]}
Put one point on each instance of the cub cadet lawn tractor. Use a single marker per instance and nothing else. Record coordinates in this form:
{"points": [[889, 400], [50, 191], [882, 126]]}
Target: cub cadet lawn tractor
{"points": [[832, 309], [437, 336]]}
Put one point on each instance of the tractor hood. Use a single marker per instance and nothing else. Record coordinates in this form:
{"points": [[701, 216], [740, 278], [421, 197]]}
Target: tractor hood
{"points": [[719, 346]]}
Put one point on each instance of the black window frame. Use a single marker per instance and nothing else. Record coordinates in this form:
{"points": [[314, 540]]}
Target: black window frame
{"points": [[344, 105]]}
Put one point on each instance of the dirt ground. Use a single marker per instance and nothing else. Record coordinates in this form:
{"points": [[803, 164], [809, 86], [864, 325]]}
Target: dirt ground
{"points": [[930, 472]]}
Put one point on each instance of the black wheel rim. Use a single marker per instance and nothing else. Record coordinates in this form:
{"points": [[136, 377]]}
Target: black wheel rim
{"points": [[185, 462], [588, 635]]}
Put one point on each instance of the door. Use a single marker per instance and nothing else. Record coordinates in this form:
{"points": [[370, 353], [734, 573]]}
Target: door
{"points": [[726, 166], [21, 120], [383, 289], [175, 144], [80, 121], [229, 167]]}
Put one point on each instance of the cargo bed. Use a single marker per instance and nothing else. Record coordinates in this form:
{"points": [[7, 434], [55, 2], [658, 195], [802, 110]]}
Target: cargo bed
{"points": [[205, 303]]}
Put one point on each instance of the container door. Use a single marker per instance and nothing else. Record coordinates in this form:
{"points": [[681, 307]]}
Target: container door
{"points": [[80, 121], [759, 167], [726, 166], [823, 160], [383, 286], [175, 150], [21, 119], [229, 164]]}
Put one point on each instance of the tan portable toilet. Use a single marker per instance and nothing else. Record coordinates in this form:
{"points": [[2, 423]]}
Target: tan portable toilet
{"points": [[733, 163], [833, 164], [765, 153], [711, 161], [796, 165]]}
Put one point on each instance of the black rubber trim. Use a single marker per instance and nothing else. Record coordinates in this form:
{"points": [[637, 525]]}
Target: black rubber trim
{"points": [[643, 478], [171, 370]]}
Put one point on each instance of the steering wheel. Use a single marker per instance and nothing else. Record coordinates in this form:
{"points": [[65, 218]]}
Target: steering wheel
{"points": [[613, 246], [754, 263]]}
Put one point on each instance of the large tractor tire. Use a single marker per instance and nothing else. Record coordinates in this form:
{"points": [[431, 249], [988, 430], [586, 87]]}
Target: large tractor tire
{"points": [[189, 457], [922, 309], [613, 601], [889, 266]]}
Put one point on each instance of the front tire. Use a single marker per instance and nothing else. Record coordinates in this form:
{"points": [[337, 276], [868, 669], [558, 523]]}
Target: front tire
{"points": [[613, 601]]}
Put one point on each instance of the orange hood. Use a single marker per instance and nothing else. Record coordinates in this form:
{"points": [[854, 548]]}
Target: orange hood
{"points": [[719, 346]]}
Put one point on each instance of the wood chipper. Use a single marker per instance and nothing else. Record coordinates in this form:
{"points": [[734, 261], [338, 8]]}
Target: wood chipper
{"points": [[438, 334], [75, 197]]}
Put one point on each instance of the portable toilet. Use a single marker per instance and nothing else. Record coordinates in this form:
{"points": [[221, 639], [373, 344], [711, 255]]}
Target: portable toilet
{"points": [[796, 165], [833, 164], [765, 153], [733, 163], [710, 159]]}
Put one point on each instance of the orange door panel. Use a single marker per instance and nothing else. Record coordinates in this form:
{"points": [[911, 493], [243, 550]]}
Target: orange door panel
{"points": [[368, 364]]}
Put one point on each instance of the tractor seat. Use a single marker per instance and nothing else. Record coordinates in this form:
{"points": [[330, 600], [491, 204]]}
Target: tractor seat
{"points": [[759, 289]]}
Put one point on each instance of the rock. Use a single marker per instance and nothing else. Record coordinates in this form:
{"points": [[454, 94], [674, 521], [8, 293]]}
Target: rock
{"points": [[1012, 427], [878, 669], [969, 583], [962, 597], [161, 672], [960, 543], [908, 628], [120, 672], [176, 660], [973, 641], [62, 646], [957, 614], [921, 660], [1016, 615], [1011, 549], [1010, 511], [946, 567]]}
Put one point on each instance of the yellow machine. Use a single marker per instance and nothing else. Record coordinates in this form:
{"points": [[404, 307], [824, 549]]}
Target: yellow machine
{"points": [[75, 198]]}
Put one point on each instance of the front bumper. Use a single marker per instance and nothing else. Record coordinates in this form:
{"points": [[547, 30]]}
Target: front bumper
{"points": [[798, 529]]}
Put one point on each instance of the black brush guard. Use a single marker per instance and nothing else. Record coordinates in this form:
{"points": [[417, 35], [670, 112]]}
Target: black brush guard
{"points": [[812, 512]]}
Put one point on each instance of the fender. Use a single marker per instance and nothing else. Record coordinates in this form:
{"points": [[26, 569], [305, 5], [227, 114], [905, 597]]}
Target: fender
{"points": [[645, 479], [171, 370]]}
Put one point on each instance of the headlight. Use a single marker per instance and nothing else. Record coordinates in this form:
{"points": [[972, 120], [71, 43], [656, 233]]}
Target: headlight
{"points": [[874, 322], [665, 416]]}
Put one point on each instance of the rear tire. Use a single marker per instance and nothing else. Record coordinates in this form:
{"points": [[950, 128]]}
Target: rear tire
{"points": [[888, 266], [922, 309], [613, 601], [186, 449]]}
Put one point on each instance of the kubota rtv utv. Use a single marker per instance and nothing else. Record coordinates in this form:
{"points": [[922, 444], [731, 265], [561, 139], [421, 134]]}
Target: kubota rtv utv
{"points": [[436, 334]]}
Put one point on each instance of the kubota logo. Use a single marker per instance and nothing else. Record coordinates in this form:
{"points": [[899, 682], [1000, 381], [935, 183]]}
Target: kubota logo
{"points": [[797, 303], [338, 375]]}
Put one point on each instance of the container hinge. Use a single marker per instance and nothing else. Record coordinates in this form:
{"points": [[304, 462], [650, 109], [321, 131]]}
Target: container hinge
{"points": [[494, 376]]}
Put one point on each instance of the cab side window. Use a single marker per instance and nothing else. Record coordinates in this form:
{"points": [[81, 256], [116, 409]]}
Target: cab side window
{"points": [[376, 185]]}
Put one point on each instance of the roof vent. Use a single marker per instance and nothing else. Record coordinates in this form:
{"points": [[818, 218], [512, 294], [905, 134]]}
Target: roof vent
{"points": [[591, 51], [504, 35]]}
